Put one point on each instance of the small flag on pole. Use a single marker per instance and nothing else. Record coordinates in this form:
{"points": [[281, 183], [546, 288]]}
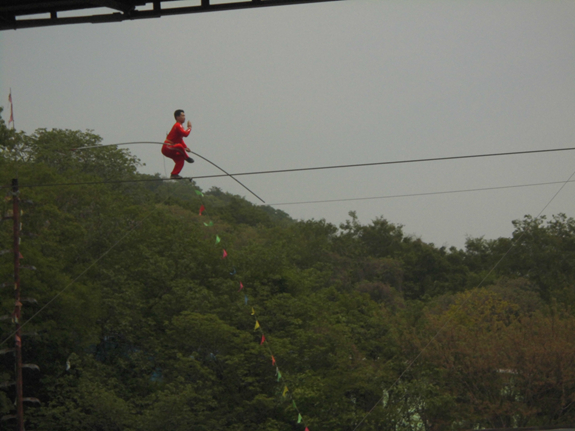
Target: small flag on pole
{"points": [[11, 120]]}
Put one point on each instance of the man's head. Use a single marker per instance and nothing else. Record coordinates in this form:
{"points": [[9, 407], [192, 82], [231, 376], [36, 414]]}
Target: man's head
{"points": [[180, 116]]}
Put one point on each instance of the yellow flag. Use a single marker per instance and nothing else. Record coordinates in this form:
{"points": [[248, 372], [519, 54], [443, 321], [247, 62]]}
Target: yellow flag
{"points": [[285, 391], [257, 325], [253, 311]]}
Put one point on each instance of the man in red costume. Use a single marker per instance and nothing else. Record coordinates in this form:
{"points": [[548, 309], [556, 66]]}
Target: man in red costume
{"points": [[174, 146]]}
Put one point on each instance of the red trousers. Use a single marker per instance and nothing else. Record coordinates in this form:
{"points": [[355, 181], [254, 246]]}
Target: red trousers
{"points": [[177, 153]]}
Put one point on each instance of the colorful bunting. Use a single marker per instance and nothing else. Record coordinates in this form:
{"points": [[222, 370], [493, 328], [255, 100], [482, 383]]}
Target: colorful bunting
{"points": [[253, 312]]}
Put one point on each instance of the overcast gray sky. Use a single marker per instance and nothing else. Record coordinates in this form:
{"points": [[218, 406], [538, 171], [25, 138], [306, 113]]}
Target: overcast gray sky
{"points": [[325, 84]]}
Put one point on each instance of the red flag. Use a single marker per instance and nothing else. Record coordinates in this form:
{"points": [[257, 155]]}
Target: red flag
{"points": [[202, 209], [241, 286], [273, 360], [306, 429], [225, 254], [11, 120], [263, 339]]}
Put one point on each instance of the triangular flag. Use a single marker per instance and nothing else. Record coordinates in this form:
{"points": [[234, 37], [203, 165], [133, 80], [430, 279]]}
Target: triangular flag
{"points": [[285, 391], [233, 272], [306, 429], [199, 193], [217, 239], [273, 360], [299, 418], [293, 403], [11, 120], [263, 339], [202, 209], [225, 254], [241, 287], [253, 311], [257, 325], [279, 374], [211, 223], [246, 299]]}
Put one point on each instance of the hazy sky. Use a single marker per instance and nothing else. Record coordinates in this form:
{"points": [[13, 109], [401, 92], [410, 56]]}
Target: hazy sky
{"points": [[324, 84]]}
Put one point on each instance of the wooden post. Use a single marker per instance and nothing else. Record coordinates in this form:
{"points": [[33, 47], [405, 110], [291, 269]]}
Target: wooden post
{"points": [[17, 306]]}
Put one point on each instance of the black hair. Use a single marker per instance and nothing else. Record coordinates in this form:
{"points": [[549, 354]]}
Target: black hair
{"points": [[178, 113]]}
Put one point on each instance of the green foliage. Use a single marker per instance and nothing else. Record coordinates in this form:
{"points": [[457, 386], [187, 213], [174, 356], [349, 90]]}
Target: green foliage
{"points": [[144, 327]]}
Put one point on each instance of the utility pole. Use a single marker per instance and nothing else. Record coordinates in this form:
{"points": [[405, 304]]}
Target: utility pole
{"points": [[16, 315], [17, 305]]}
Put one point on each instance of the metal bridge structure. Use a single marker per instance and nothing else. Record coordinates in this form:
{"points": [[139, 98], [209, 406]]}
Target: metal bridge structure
{"points": [[16, 14]]}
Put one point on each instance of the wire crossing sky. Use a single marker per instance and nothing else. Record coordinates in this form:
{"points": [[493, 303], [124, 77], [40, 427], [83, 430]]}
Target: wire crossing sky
{"points": [[329, 84]]}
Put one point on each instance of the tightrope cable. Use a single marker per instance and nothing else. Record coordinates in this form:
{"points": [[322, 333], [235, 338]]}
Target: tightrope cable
{"points": [[200, 156]]}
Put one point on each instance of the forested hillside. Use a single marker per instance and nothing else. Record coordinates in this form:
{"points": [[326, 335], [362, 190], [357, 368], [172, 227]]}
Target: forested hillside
{"points": [[145, 323]]}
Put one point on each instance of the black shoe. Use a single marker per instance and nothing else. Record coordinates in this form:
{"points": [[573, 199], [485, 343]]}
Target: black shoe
{"points": [[175, 177], [190, 160]]}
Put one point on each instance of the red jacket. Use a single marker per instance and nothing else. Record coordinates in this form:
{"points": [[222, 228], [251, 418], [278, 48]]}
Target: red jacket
{"points": [[177, 135]]}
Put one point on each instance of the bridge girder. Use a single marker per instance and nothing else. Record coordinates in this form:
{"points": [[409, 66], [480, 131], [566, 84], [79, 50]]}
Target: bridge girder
{"points": [[16, 14]]}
